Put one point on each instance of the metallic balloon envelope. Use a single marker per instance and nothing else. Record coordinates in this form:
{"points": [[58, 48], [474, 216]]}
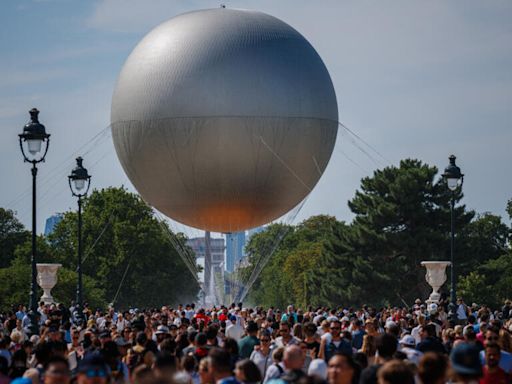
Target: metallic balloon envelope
{"points": [[224, 119]]}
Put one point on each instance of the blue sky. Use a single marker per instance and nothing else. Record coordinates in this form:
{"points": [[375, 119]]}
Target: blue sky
{"points": [[413, 78]]}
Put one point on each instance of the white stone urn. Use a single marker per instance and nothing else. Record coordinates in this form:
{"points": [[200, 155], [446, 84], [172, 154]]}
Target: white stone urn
{"points": [[436, 277], [47, 278]]}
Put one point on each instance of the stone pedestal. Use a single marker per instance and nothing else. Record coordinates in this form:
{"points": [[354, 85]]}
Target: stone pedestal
{"points": [[46, 279], [436, 277]]}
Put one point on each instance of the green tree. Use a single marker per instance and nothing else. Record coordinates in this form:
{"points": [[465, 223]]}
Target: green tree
{"points": [[474, 289], [485, 238], [289, 275], [126, 249], [12, 234]]}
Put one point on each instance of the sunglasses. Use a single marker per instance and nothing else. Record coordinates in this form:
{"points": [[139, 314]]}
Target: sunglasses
{"points": [[96, 373], [336, 328], [265, 340]]}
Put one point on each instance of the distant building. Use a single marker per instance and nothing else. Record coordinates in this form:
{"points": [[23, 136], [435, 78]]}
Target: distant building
{"points": [[51, 222], [217, 247], [235, 246]]}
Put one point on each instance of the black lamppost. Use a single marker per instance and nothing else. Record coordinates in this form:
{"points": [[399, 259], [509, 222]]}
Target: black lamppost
{"points": [[454, 179], [33, 137], [79, 182]]}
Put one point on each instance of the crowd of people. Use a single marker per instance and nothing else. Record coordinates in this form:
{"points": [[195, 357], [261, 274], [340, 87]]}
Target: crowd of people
{"points": [[238, 345]]}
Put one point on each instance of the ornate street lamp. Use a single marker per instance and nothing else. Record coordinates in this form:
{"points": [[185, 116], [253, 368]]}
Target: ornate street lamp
{"points": [[79, 183], [32, 140], [454, 179]]}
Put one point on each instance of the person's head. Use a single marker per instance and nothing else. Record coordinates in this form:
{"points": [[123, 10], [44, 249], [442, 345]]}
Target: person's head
{"points": [[56, 371], [277, 355], [465, 362], [141, 339], [231, 346], [265, 338], [395, 372], [201, 340], [284, 329], [342, 369], [432, 368], [251, 328], [165, 365], [392, 329], [93, 370], [204, 375], [247, 372], [335, 328], [427, 330], [408, 341], [318, 368], [492, 335], [33, 375], [386, 345], [293, 357], [309, 329], [220, 363], [492, 354]]}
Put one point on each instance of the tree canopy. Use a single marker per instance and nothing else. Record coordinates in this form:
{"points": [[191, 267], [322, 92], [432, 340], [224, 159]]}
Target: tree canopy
{"points": [[128, 256], [401, 217]]}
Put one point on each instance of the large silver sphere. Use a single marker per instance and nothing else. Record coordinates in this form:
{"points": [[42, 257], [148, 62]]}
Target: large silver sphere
{"points": [[224, 119]]}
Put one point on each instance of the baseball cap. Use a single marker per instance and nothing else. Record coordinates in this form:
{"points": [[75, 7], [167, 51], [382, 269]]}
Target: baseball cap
{"points": [[162, 329], [408, 340], [465, 359], [95, 364], [104, 335]]}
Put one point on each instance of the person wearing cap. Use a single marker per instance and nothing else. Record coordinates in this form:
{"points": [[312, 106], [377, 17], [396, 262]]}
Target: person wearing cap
{"points": [[407, 346], [122, 345], [246, 345], [161, 333], [104, 337], [93, 370], [118, 370], [465, 364]]}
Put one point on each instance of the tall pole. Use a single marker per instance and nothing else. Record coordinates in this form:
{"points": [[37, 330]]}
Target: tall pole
{"points": [[452, 246], [79, 297], [33, 284]]}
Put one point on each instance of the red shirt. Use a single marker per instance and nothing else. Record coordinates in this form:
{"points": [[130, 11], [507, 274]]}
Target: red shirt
{"points": [[497, 377]]}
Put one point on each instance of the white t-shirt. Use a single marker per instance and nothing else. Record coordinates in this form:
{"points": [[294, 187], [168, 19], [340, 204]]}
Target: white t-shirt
{"points": [[273, 372], [261, 361], [234, 331], [461, 312], [415, 332]]}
